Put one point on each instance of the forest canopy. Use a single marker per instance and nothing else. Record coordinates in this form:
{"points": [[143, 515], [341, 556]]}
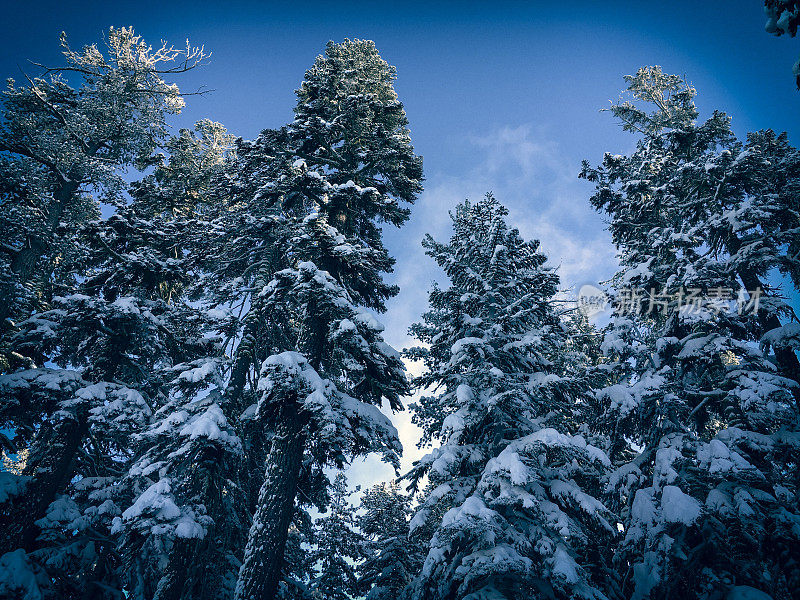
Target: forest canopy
{"points": [[191, 353]]}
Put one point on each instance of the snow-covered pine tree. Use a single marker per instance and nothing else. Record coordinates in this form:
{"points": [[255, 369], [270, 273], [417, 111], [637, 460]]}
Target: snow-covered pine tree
{"points": [[392, 559], [183, 476], [59, 142], [244, 244], [347, 156], [339, 547], [119, 340], [323, 185], [133, 339], [183, 530], [350, 125], [740, 200], [704, 420], [321, 409], [522, 480]]}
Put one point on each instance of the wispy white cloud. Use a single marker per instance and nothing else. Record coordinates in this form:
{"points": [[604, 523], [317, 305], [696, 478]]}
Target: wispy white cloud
{"points": [[539, 185]]}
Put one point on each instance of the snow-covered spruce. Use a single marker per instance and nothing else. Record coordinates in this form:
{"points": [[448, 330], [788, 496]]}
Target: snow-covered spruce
{"points": [[322, 420], [320, 187], [59, 141], [123, 327], [339, 547], [522, 482], [83, 446], [187, 503], [190, 449], [392, 560], [704, 418]]}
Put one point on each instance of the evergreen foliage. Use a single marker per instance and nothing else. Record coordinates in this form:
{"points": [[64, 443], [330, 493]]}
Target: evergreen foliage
{"points": [[703, 416], [190, 361], [392, 558], [514, 462]]}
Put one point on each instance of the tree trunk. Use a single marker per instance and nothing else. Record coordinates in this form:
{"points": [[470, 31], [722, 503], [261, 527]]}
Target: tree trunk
{"points": [[58, 445], [263, 557]]}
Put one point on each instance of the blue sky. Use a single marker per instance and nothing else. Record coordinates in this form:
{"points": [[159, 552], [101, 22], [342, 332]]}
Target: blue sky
{"points": [[501, 96]]}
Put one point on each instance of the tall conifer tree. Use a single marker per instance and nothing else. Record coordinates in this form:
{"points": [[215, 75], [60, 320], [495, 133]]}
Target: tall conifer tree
{"points": [[329, 179], [704, 418], [514, 462]]}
